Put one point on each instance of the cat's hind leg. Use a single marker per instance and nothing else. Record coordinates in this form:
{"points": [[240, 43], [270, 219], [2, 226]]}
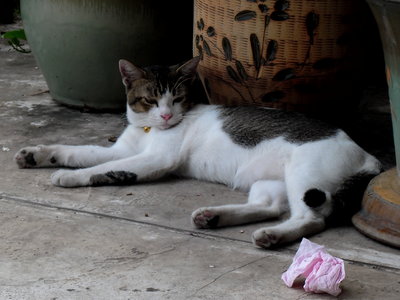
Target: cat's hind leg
{"points": [[309, 205], [267, 200], [292, 229]]}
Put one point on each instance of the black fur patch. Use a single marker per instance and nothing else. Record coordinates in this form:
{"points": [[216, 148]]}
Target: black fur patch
{"points": [[248, 126], [347, 200], [113, 178], [213, 222], [314, 198], [30, 160]]}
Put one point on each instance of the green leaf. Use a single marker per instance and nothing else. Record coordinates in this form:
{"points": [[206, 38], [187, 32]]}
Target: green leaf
{"points": [[14, 38], [14, 34]]}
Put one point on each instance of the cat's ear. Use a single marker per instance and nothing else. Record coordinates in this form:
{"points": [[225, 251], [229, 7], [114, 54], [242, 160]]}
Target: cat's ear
{"points": [[130, 73], [189, 68]]}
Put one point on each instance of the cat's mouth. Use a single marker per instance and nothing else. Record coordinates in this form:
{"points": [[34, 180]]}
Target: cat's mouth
{"points": [[167, 125]]}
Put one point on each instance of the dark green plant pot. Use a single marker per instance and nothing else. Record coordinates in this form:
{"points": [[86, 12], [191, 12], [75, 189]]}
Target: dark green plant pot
{"points": [[387, 15], [77, 44]]}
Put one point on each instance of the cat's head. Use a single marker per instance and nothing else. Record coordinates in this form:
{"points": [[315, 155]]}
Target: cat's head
{"points": [[157, 96]]}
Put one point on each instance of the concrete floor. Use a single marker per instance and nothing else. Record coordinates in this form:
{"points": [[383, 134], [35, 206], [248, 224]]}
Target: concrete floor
{"points": [[136, 242]]}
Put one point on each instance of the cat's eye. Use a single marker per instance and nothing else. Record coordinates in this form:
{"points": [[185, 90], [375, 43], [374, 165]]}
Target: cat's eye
{"points": [[151, 101], [178, 100]]}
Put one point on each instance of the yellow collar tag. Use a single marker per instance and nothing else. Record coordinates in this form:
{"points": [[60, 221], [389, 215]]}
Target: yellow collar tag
{"points": [[146, 129]]}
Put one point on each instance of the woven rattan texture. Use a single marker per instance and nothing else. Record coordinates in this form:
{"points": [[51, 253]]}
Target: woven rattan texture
{"points": [[286, 54]]}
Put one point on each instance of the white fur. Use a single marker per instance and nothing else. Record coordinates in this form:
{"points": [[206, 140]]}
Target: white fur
{"points": [[276, 172]]}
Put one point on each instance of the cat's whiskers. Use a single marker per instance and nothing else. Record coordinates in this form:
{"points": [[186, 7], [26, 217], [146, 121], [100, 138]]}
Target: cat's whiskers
{"points": [[180, 81], [123, 116]]}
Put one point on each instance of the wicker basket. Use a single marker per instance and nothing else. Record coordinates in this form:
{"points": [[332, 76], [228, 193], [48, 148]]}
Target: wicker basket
{"points": [[296, 55]]}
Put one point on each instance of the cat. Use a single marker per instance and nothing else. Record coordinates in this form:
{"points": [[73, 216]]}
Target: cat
{"points": [[287, 162]]}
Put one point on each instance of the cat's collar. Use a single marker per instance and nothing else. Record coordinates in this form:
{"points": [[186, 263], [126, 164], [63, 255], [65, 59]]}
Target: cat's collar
{"points": [[146, 129]]}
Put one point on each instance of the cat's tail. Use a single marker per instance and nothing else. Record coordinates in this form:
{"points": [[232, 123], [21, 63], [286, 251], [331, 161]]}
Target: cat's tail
{"points": [[345, 201]]}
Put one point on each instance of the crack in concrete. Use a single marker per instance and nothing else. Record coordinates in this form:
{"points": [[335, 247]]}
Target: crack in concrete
{"points": [[103, 215], [303, 295], [227, 272], [66, 280], [283, 250], [142, 256]]}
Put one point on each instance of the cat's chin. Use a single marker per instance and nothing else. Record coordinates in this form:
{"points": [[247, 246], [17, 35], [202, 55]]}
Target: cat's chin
{"points": [[166, 126]]}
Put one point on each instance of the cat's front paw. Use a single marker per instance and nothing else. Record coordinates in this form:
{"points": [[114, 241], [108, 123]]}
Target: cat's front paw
{"points": [[205, 218], [265, 238], [34, 157], [25, 158], [69, 178]]}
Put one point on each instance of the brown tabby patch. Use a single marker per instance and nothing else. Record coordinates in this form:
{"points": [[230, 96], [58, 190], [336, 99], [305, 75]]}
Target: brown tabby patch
{"points": [[142, 89], [187, 105]]}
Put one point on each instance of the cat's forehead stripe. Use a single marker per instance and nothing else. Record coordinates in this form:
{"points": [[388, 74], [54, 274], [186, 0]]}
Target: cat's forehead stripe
{"points": [[155, 92]]}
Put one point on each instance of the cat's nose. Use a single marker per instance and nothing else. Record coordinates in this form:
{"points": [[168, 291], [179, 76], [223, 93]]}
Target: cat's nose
{"points": [[166, 117]]}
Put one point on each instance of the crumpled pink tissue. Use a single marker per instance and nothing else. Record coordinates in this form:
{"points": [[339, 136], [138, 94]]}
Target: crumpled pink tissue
{"points": [[322, 271]]}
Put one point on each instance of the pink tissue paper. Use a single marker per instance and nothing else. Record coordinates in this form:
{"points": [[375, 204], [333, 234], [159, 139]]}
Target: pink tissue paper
{"points": [[322, 271]]}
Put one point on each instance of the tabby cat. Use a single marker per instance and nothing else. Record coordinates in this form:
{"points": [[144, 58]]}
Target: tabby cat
{"points": [[287, 162]]}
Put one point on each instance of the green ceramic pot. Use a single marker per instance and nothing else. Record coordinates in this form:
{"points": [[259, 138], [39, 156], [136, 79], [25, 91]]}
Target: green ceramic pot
{"points": [[387, 15], [77, 43]]}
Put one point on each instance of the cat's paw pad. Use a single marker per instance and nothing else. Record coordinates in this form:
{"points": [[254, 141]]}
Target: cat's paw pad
{"points": [[205, 218], [265, 238], [28, 157], [68, 178]]}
